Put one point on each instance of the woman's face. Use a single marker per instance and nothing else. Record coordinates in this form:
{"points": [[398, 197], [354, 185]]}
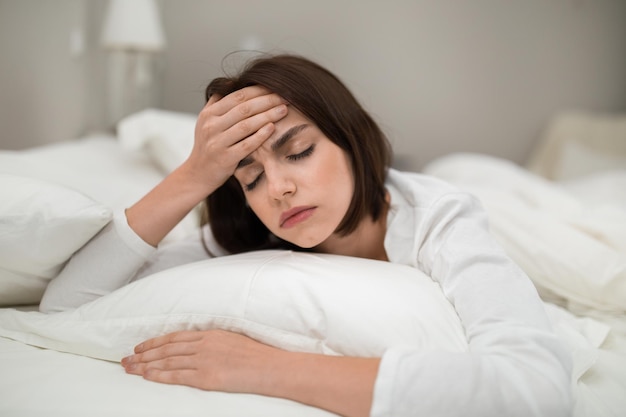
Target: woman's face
{"points": [[298, 183]]}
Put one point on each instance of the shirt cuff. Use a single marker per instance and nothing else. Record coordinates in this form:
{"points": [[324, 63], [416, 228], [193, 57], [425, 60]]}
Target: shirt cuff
{"points": [[130, 238], [382, 404]]}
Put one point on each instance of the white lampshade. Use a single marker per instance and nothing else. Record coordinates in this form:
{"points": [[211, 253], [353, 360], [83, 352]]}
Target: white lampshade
{"points": [[133, 25]]}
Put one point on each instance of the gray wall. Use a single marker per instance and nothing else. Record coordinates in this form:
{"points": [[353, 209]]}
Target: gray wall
{"points": [[439, 75]]}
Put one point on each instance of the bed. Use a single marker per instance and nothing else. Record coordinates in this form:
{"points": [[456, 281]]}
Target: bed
{"points": [[562, 218]]}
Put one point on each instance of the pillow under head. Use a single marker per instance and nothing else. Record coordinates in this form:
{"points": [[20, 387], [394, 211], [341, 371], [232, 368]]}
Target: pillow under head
{"points": [[297, 301]]}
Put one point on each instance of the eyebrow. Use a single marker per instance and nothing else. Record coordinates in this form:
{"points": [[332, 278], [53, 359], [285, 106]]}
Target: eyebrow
{"points": [[279, 143]]}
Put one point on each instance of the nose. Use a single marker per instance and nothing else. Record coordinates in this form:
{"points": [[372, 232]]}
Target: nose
{"points": [[279, 184]]}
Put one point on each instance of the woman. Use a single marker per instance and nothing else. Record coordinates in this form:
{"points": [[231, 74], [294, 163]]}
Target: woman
{"points": [[286, 157]]}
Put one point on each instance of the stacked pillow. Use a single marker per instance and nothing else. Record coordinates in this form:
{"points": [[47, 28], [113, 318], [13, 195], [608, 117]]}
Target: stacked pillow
{"points": [[56, 197], [166, 136], [41, 225]]}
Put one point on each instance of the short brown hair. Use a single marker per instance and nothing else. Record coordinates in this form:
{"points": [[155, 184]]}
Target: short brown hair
{"points": [[321, 97]]}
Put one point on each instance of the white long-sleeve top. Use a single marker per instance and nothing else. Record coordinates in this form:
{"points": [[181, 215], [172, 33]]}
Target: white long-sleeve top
{"points": [[515, 364]]}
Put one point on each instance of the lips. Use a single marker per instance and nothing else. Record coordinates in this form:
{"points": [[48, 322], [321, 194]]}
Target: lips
{"points": [[296, 215]]}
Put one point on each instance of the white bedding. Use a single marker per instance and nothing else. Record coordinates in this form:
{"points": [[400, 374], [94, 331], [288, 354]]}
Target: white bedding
{"points": [[39, 382], [570, 238], [48, 382], [571, 244], [573, 248]]}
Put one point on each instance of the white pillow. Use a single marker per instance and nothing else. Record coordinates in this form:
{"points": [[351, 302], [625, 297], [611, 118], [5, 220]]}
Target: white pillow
{"points": [[578, 160], [297, 301], [41, 226], [580, 143], [99, 167], [167, 136]]}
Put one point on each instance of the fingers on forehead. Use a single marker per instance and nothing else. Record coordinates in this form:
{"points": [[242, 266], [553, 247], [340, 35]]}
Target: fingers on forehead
{"points": [[252, 91], [238, 97]]}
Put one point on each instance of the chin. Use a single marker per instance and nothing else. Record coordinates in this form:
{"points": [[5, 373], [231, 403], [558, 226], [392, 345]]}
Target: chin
{"points": [[305, 245], [309, 243]]}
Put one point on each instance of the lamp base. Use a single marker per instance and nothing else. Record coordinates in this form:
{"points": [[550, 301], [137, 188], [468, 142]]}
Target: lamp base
{"points": [[132, 83]]}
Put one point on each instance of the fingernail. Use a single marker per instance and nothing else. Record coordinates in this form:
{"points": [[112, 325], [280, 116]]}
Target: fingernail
{"points": [[139, 347], [282, 109]]}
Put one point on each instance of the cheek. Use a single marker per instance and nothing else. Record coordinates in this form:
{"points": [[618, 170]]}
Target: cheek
{"points": [[258, 206], [342, 174]]}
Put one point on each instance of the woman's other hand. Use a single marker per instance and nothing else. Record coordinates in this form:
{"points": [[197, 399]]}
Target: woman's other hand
{"points": [[219, 360], [214, 360]]}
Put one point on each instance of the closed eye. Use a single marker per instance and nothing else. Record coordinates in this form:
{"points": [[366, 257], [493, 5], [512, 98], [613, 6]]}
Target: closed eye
{"points": [[307, 152], [250, 186]]}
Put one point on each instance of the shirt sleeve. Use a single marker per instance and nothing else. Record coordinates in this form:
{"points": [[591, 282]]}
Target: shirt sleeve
{"points": [[105, 263], [515, 364], [112, 259]]}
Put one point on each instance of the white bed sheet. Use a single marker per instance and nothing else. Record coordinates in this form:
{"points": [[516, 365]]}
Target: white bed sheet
{"points": [[40, 382], [66, 384]]}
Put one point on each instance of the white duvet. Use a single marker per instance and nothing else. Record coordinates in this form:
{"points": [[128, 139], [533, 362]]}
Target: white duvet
{"points": [[570, 238], [572, 244]]}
